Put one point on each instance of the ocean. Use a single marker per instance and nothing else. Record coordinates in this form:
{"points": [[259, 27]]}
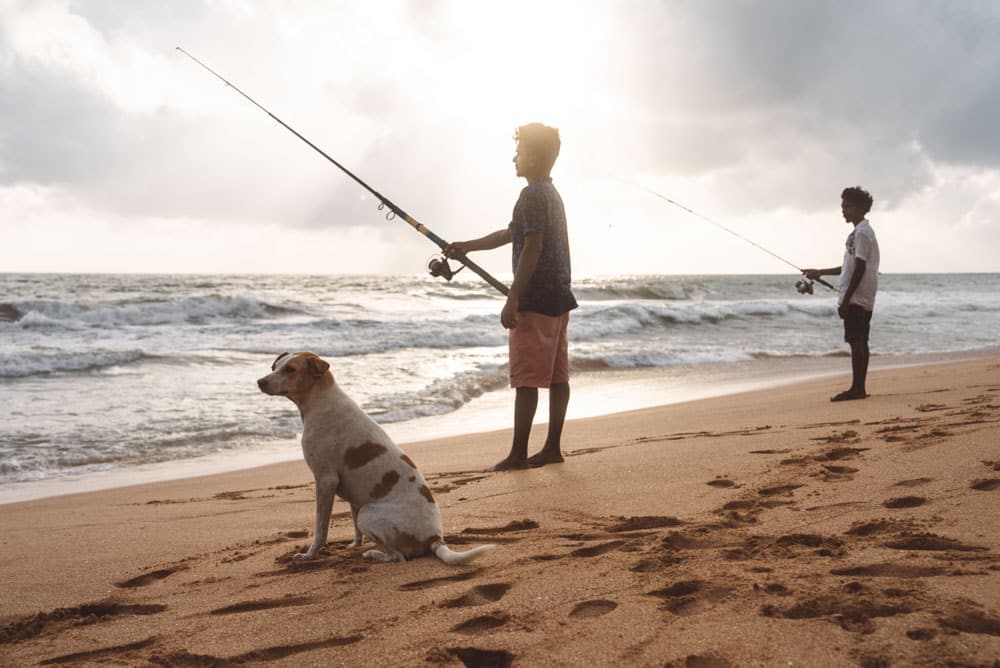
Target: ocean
{"points": [[109, 372]]}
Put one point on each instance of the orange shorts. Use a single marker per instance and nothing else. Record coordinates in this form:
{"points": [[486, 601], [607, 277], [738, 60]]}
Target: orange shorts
{"points": [[538, 350]]}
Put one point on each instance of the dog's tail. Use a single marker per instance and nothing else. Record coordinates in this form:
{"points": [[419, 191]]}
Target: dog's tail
{"points": [[449, 556]]}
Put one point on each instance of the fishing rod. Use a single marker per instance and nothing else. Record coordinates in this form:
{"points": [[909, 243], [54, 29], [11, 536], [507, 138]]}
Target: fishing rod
{"points": [[438, 265], [804, 286]]}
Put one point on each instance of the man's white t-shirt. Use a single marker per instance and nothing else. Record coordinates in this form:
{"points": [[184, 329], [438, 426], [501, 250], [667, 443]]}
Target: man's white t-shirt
{"points": [[861, 245]]}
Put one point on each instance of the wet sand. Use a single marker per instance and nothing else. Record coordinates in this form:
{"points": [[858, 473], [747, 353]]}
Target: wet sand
{"points": [[754, 529]]}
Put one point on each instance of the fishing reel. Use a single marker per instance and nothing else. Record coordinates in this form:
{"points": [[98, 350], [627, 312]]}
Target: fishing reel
{"points": [[804, 286], [438, 266]]}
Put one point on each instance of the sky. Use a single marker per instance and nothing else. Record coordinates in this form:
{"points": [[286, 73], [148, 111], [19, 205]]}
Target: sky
{"points": [[120, 154]]}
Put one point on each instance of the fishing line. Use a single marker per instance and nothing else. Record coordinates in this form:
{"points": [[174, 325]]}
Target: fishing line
{"points": [[437, 266], [738, 235]]}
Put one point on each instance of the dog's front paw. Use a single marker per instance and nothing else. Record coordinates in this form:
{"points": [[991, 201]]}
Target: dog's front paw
{"points": [[305, 556], [353, 544]]}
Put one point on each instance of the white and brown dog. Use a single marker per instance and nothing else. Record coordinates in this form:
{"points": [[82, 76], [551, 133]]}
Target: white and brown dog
{"points": [[351, 456]]}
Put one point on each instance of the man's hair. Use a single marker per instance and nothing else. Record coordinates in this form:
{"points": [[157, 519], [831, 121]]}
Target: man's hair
{"points": [[858, 196], [541, 140]]}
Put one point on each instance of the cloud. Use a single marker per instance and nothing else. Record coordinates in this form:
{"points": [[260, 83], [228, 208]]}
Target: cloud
{"points": [[762, 94], [743, 109]]}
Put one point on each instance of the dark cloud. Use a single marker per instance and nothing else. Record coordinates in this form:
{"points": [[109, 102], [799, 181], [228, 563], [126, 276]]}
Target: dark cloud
{"points": [[52, 130], [772, 92]]}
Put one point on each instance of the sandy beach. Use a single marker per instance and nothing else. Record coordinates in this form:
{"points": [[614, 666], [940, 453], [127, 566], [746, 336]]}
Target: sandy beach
{"points": [[764, 528]]}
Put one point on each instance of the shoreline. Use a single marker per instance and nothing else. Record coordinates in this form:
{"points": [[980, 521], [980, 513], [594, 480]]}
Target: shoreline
{"points": [[751, 529], [595, 394]]}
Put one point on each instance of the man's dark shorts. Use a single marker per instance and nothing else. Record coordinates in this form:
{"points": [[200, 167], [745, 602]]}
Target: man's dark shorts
{"points": [[857, 324]]}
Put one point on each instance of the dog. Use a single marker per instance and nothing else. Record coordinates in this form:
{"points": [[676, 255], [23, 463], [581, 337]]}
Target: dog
{"points": [[352, 457]]}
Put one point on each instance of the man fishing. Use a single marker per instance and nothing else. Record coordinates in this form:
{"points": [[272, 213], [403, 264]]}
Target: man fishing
{"points": [[858, 285], [536, 313]]}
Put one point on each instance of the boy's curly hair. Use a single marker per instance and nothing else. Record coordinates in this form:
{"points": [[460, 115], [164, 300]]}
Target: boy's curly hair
{"points": [[542, 140], [859, 197]]}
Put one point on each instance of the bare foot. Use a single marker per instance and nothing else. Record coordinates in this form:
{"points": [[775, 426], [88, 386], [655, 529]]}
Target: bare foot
{"points": [[543, 457], [509, 465], [849, 395]]}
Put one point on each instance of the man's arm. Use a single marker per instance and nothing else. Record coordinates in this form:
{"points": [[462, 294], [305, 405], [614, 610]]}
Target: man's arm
{"points": [[813, 274], [859, 272], [489, 242], [525, 270]]}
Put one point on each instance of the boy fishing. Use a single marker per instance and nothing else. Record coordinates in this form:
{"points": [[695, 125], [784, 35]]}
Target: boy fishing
{"points": [[536, 313], [858, 285]]}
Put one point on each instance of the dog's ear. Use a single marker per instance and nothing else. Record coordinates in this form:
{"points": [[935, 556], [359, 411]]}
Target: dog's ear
{"points": [[317, 366], [277, 359]]}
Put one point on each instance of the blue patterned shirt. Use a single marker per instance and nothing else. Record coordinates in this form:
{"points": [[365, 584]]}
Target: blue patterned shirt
{"points": [[539, 210]]}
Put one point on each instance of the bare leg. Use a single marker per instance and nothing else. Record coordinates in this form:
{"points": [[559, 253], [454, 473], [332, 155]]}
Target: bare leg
{"points": [[551, 452], [859, 367], [525, 403], [859, 372]]}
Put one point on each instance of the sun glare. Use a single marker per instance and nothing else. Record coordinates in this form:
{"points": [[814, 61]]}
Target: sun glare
{"points": [[521, 62]]}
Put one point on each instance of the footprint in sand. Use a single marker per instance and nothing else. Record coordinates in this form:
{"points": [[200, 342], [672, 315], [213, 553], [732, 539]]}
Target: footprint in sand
{"points": [[893, 570], [721, 483], [596, 608], [597, 550], [915, 482], [689, 596], [775, 589], [99, 656], [479, 595], [931, 543], [268, 654], [703, 661], [904, 502], [921, 634], [472, 657], [147, 579], [678, 589], [264, 604], [443, 487], [849, 436], [836, 454], [644, 522], [482, 624], [972, 621], [831, 473], [516, 525], [808, 540], [854, 612], [778, 490], [101, 611], [878, 527], [986, 485]]}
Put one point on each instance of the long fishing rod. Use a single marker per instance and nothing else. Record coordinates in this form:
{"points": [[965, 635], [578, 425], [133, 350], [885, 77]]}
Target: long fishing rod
{"points": [[802, 286], [437, 266]]}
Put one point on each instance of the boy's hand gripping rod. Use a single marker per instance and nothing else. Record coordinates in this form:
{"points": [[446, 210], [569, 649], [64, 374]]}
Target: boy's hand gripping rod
{"points": [[384, 201], [735, 234]]}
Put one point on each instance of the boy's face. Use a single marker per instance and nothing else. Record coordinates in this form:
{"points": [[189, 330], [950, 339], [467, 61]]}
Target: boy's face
{"points": [[524, 161], [852, 212]]}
